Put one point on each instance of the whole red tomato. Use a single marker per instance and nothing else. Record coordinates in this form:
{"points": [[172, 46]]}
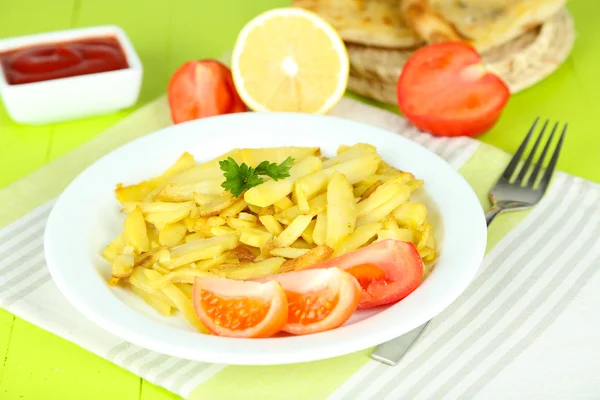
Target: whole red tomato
{"points": [[445, 90], [201, 89]]}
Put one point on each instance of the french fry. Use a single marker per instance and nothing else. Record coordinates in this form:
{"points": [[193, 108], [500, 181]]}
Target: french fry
{"points": [[148, 207], [288, 252], [308, 232], [341, 205], [255, 237], [178, 192], [315, 205], [135, 231], [410, 215], [214, 207], [172, 234], [271, 224], [122, 266], [185, 288], [302, 244], [248, 217], [320, 231], [180, 276], [222, 230], [390, 222], [206, 265], [243, 253], [349, 153], [283, 203], [181, 302], [216, 221], [194, 236], [201, 249], [114, 248], [139, 279], [234, 209], [386, 169], [146, 260], [139, 192], [314, 256], [161, 219], [277, 155], [254, 270], [163, 308], [356, 239], [236, 223], [403, 235], [355, 170], [201, 226], [382, 193], [272, 191], [293, 231], [379, 213]]}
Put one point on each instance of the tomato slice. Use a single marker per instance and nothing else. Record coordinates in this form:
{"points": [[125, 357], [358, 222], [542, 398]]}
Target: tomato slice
{"points": [[240, 309], [445, 90], [387, 271], [318, 299], [201, 89]]}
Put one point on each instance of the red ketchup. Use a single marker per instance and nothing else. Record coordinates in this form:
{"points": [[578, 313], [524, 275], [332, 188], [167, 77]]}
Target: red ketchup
{"points": [[62, 60]]}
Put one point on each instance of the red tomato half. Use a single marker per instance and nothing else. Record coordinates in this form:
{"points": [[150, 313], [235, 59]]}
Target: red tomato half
{"points": [[240, 309], [445, 90], [200, 89], [387, 271], [318, 299]]}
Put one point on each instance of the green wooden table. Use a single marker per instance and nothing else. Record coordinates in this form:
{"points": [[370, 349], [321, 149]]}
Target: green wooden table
{"points": [[37, 365]]}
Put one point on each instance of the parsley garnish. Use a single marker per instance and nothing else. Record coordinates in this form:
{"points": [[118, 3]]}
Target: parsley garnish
{"points": [[239, 178]]}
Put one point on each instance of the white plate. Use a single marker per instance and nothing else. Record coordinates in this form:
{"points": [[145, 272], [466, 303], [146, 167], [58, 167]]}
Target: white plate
{"points": [[86, 218]]}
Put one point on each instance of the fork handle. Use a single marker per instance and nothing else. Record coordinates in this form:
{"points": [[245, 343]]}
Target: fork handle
{"points": [[491, 214]]}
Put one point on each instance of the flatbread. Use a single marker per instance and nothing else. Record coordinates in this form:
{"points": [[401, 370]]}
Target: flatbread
{"points": [[483, 23], [369, 22]]}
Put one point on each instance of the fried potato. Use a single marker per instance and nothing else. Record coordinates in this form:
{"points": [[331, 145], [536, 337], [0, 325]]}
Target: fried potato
{"points": [[307, 235], [410, 215], [288, 252], [234, 209], [194, 236], [163, 308], [381, 194], [185, 288], [255, 237], [148, 207], [216, 221], [138, 192], [201, 249], [236, 223], [314, 256], [253, 270], [139, 279], [342, 205], [216, 204], [362, 235], [320, 231], [249, 217], [135, 231], [403, 235], [161, 219], [354, 170], [272, 191], [178, 192], [349, 153], [180, 300], [243, 253], [293, 231], [222, 230], [187, 275], [390, 222], [114, 248], [122, 266], [315, 205], [283, 204], [381, 212], [271, 224]]}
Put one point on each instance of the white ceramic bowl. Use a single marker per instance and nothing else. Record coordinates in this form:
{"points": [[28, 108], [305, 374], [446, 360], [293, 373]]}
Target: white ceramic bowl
{"points": [[86, 218], [74, 97]]}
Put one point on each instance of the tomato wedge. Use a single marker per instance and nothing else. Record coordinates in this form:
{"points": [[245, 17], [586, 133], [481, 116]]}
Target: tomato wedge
{"points": [[240, 309], [445, 90], [318, 299], [387, 271]]}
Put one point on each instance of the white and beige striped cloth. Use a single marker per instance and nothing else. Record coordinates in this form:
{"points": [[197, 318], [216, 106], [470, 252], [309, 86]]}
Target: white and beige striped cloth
{"points": [[528, 327]]}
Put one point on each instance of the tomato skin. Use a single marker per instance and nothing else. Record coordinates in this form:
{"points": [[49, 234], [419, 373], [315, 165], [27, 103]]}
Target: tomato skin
{"points": [[235, 296], [318, 300], [400, 262], [444, 90], [200, 89]]}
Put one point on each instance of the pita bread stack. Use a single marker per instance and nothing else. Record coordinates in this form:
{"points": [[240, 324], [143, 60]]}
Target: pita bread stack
{"points": [[523, 41]]}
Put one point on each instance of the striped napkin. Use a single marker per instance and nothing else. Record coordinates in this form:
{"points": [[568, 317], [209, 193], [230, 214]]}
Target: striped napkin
{"points": [[526, 328]]}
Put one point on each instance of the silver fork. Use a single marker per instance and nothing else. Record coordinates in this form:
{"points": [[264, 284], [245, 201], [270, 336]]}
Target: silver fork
{"points": [[522, 185]]}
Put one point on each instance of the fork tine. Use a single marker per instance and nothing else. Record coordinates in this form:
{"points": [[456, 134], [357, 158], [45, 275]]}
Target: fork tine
{"points": [[550, 169], [512, 166], [540, 162], [525, 168]]}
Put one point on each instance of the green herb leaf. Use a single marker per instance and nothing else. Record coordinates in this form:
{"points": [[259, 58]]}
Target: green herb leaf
{"points": [[239, 178]]}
